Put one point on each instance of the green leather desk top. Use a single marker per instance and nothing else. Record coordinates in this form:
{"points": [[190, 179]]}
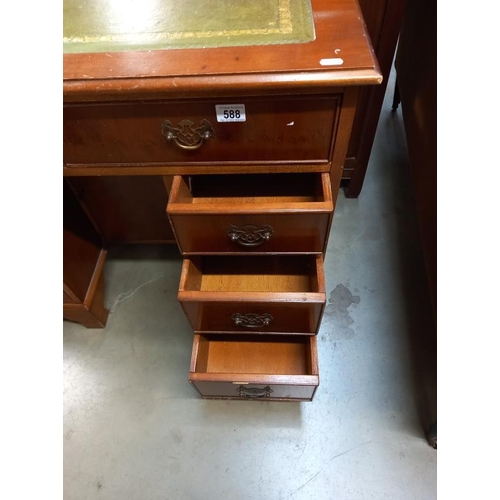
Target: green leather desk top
{"points": [[124, 25]]}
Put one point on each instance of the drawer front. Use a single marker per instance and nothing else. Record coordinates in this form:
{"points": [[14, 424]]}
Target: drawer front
{"points": [[256, 233], [253, 391], [277, 129], [256, 317]]}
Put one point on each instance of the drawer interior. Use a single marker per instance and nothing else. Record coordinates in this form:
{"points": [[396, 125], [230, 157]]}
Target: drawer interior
{"points": [[263, 354], [252, 188], [296, 273]]}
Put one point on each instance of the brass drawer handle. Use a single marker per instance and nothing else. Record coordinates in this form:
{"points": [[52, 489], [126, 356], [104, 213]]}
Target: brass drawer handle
{"points": [[249, 235], [254, 392], [252, 320], [185, 135]]}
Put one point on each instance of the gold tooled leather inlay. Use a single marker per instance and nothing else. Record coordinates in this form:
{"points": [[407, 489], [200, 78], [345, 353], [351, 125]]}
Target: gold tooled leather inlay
{"points": [[108, 25]]}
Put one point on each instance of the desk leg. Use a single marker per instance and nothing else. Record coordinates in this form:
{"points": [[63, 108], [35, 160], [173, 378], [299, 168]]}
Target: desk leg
{"points": [[86, 317], [83, 266], [432, 435], [396, 100]]}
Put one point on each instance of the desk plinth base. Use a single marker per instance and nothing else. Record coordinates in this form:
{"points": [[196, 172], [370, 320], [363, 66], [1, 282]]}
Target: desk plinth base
{"points": [[91, 313]]}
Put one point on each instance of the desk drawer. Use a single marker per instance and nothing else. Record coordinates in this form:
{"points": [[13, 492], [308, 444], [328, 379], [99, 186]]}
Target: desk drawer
{"points": [[257, 294], [264, 367], [278, 129], [267, 213]]}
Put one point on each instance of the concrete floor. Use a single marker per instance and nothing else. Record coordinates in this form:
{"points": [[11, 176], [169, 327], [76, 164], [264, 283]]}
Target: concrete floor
{"points": [[135, 429]]}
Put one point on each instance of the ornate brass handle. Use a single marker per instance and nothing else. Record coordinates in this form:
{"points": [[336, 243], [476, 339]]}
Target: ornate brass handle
{"points": [[252, 320], [249, 235], [254, 392], [185, 135]]}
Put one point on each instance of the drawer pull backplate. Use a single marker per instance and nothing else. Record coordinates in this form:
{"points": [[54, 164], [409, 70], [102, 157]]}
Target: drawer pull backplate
{"points": [[186, 135], [254, 392], [252, 320], [249, 235]]}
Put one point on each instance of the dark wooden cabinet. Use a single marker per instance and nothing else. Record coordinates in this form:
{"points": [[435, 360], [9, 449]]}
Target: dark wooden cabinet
{"points": [[383, 20], [416, 70]]}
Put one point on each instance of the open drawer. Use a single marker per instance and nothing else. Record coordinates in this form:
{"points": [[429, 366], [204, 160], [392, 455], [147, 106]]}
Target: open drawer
{"points": [[260, 367], [257, 294], [257, 213]]}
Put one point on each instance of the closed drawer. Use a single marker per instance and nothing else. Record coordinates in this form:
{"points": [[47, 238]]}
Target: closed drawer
{"points": [[257, 294], [278, 129], [264, 367], [268, 213]]}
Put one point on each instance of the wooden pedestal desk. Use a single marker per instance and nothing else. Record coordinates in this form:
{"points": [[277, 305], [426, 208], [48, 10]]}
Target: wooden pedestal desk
{"points": [[233, 148]]}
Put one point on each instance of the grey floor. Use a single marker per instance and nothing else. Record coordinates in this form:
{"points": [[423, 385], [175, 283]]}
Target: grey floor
{"points": [[135, 429]]}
